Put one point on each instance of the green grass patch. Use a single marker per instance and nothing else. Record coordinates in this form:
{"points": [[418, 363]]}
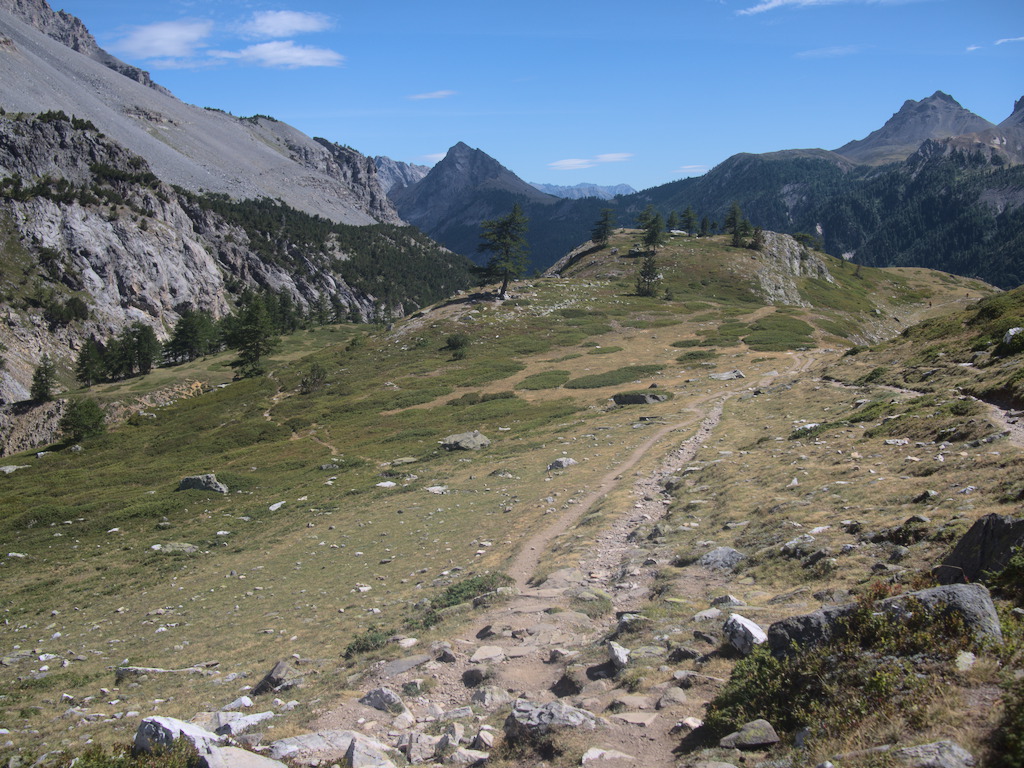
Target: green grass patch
{"points": [[612, 378], [604, 350], [778, 333], [697, 355], [544, 380]]}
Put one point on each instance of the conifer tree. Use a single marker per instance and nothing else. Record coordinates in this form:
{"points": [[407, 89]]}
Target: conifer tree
{"points": [[505, 240], [602, 230], [648, 278], [44, 379]]}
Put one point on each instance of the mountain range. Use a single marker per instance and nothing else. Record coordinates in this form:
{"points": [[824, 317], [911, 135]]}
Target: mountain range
{"points": [[936, 186]]}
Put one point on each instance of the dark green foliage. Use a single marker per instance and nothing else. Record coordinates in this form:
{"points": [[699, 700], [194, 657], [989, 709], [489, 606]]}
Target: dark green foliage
{"points": [[603, 228], [1008, 746], [457, 341], [505, 240], [194, 335], [474, 398], [648, 278], [89, 366], [697, 355], [314, 380], [252, 332], [1010, 580], [398, 265], [469, 589], [44, 379], [778, 332], [872, 670], [370, 640], [83, 418], [134, 350]]}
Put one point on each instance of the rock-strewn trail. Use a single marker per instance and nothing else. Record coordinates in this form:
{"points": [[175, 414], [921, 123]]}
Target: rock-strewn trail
{"points": [[540, 647]]}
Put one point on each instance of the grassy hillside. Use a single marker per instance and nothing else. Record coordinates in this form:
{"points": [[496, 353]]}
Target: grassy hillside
{"points": [[344, 512]]}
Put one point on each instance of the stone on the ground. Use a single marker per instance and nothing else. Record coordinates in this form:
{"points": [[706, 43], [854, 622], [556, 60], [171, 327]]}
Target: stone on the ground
{"points": [[595, 754], [465, 441], [280, 678], [202, 483], [528, 721], [158, 733], [735, 373], [940, 754], [464, 756], [364, 752], [484, 740], [419, 747], [743, 634], [235, 757], [752, 735], [561, 463], [313, 748], [491, 697], [971, 602], [242, 702], [234, 723], [385, 700], [984, 550], [721, 559], [485, 653], [672, 697], [617, 655]]}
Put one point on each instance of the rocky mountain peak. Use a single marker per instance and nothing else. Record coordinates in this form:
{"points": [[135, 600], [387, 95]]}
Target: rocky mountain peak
{"points": [[1016, 118], [939, 116], [69, 30]]}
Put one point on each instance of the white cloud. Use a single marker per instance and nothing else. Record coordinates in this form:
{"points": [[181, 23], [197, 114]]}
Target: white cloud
{"points": [[831, 52], [434, 158], [691, 170], [284, 54], [973, 48], [279, 24], [771, 5], [579, 163], [572, 164], [1010, 40], [165, 39], [432, 95]]}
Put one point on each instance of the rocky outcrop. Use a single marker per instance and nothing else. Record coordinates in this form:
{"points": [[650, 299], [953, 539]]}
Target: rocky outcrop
{"points": [[27, 425], [984, 550], [971, 602], [782, 261], [394, 174]]}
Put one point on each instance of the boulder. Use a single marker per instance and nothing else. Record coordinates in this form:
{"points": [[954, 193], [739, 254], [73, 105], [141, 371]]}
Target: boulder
{"points": [[638, 398], [743, 634], [940, 754], [465, 441], [234, 723], [313, 748], [728, 375], [159, 733], [280, 678], [385, 700], [202, 483], [234, 757], [364, 752], [617, 655], [561, 463], [985, 549], [721, 559], [464, 756], [528, 721], [419, 747], [753, 735], [971, 601], [491, 697]]}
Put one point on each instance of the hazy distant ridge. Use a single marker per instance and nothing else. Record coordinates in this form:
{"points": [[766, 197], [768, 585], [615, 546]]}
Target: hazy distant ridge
{"points": [[584, 189]]}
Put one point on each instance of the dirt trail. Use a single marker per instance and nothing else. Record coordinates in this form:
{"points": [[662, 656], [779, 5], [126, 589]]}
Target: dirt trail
{"points": [[544, 618]]}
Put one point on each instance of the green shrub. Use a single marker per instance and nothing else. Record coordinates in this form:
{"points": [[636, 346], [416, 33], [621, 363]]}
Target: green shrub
{"points": [[181, 755], [873, 668], [83, 418], [371, 640], [696, 355], [470, 588]]}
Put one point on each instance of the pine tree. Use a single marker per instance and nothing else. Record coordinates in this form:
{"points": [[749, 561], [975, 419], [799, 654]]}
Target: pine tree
{"points": [[83, 418], [44, 379], [689, 220], [602, 230], [252, 332], [505, 240], [648, 278], [672, 223], [89, 365], [654, 232]]}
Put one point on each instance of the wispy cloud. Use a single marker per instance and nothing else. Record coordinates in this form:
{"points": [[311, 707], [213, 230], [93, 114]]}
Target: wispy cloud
{"points": [[432, 95], [280, 24], [771, 5], [832, 52], [284, 54], [579, 163], [973, 48], [436, 157], [691, 170], [165, 39], [1010, 40]]}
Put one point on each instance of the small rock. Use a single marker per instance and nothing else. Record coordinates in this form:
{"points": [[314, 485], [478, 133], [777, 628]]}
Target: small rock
{"points": [[752, 735]]}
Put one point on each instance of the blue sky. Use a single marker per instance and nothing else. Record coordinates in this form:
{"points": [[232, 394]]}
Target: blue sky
{"points": [[564, 91]]}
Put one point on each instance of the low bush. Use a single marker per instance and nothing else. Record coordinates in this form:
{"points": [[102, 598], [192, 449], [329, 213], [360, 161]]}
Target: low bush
{"points": [[612, 378], [544, 380]]}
